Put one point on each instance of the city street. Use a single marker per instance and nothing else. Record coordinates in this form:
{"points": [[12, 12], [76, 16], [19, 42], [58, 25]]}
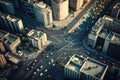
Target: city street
{"points": [[67, 42]]}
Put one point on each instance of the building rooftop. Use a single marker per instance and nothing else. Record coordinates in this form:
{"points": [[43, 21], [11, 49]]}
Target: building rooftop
{"points": [[7, 37], [98, 26], [94, 68], [35, 34], [75, 63], [40, 5], [117, 6], [103, 33], [116, 38], [12, 18]]}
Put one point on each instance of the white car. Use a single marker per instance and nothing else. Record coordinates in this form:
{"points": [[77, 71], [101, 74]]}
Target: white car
{"points": [[51, 53], [27, 69], [41, 74], [49, 63], [35, 60], [45, 70], [38, 70], [34, 73], [53, 64], [41, 66], [47, 56], [52, 60]]}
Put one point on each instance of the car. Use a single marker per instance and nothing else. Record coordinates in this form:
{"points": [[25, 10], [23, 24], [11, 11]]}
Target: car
{"points": [[38, 70], [27, 69], [101, 57], [31, 67], [53, 64], [34, 73], [47, 56], [35, 60], [33, 64], [41, 74], [49, 62], [51, 53], [45, 70], [41, 66], [65, 53]]}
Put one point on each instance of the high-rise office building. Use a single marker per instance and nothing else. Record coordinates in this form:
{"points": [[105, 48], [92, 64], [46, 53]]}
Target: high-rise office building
{"points": [[3, 61], [105, 37], [116, 11], [11, 23], [79, 68], [43, 13], [93, 35], [7, 6], [37, 39], [15, 3], [76, 4], [60, 9], [2, 48], [11, 42]]}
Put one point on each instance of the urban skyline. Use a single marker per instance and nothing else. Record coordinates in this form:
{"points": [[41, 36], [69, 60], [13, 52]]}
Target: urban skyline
{"points": [[59, 40]]}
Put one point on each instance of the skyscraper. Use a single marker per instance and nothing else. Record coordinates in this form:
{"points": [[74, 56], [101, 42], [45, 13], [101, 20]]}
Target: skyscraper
{"points": [[60, 9], [43, 13], [37, 39], [75, 4], [12, 24], [7, 6], [2, 60]]}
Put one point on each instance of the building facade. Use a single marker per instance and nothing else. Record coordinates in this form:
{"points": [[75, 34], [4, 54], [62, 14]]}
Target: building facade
{"points": [[106, 38], [60, 9], [76, 4], [10, 41], [7, 6], [3, 61], [43, 13], [2, 48], [37, 39], [12, 24], [116, 11], [79, 68]]}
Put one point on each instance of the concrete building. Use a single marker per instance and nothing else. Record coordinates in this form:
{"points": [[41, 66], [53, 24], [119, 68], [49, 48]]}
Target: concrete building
{"points": [[13, 58], [43, 13], [76, 4], [37, 39], [105, 37], [116, 11], [15, 3], [12, 24], [93, 35], [7, 6], [2, 48], [60, 9], [101, 40], [114, 46], [79, 68], [3, 61], [10, 41]]}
